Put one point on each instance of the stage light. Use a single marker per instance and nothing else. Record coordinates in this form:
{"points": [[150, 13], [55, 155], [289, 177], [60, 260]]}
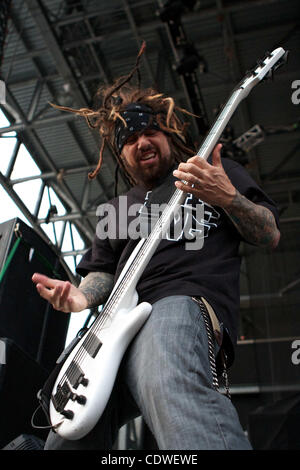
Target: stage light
{"points": [[190, 61], [173, 9]]}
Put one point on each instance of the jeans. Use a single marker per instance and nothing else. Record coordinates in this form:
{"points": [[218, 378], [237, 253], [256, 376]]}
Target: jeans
{"points": [[165, 375]]}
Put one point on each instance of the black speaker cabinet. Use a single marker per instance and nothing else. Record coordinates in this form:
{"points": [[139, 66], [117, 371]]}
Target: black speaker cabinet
{"points": [[26, 318], [20, 380]]}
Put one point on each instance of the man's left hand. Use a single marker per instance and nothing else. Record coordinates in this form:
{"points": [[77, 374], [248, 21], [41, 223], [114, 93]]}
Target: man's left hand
{"points": [[207, 182]]}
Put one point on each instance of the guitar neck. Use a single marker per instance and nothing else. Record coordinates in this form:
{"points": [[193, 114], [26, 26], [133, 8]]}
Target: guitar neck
{"points": [[220, 123]]}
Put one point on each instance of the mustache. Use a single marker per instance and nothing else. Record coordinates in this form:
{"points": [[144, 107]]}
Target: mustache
{"points": [[143, 151]]}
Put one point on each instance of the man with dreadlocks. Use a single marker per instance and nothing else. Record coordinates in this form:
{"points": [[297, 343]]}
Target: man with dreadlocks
{"points": [[167, 374]]}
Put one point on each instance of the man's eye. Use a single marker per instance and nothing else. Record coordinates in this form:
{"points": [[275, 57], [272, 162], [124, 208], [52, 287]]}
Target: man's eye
{"points": [[150, 132], [131, 140]]}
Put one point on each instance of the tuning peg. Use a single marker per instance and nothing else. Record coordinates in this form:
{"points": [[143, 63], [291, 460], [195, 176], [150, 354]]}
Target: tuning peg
{"points": [[268, 55], [269, 75], [260, 62], [282, 61], [285, 56]]}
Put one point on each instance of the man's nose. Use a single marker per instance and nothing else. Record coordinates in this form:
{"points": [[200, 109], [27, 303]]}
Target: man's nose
{"points": [[143, 141]]}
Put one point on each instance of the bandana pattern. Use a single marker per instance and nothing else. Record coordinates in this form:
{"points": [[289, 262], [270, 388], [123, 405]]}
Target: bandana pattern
{"points": [[138, 117]]}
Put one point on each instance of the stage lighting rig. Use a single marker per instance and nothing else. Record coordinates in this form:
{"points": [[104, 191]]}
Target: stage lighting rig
{"points": [[190, 60], [172, 10], [187, 59]]}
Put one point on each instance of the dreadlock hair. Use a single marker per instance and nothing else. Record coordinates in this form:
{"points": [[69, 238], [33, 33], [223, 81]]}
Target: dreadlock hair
{"points": [[113, 101]]}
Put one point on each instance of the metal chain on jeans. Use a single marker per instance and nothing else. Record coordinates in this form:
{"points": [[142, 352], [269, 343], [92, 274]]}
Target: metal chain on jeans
{"points": [[225, 374], [211, 346], [211, 351]]}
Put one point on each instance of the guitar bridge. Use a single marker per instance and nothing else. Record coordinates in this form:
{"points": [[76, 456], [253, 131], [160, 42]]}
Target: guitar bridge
{"points": [[74, 376], [61, 397]]}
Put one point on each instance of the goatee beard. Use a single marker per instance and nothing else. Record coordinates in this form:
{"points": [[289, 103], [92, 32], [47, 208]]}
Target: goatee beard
{"points": [[152, 179]]}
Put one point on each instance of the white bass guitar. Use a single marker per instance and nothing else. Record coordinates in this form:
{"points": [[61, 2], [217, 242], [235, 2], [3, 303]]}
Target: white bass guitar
{"points": [[86, 378]]}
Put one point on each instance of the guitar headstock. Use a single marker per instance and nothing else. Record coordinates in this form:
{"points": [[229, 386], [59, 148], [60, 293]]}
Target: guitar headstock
{"points": [[265, 68], [283, 59]]}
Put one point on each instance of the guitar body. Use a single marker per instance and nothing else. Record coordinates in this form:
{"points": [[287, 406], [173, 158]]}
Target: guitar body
{"points": [[99, 374]]}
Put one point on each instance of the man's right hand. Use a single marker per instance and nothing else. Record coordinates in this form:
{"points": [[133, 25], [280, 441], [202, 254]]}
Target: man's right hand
{"points": [[62, 295]]}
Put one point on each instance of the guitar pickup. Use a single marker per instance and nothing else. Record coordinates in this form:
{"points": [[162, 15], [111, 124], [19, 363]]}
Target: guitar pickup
{"points": [[92, 344]]}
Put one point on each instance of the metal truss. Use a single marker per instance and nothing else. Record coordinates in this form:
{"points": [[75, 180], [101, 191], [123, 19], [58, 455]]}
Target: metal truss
{"points": [[25, 126]]}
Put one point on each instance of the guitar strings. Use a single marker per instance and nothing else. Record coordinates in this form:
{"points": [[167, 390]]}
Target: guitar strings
{"points": [[209, 141]]}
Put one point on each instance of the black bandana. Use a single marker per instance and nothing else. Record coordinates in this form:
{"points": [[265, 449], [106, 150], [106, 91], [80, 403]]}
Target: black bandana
{"points": [[138, 117]]}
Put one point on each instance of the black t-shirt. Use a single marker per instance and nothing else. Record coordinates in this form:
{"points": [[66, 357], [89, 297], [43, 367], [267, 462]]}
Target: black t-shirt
{"points": [[212, 271]]}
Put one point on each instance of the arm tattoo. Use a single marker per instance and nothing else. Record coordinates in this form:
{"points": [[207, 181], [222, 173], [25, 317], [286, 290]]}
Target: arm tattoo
{"points": [[96, 287], [254, 222]]}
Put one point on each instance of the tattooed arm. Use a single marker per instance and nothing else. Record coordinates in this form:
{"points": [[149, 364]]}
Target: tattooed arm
{"points": [[64, 296], [96, 287], [254, 222]]}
